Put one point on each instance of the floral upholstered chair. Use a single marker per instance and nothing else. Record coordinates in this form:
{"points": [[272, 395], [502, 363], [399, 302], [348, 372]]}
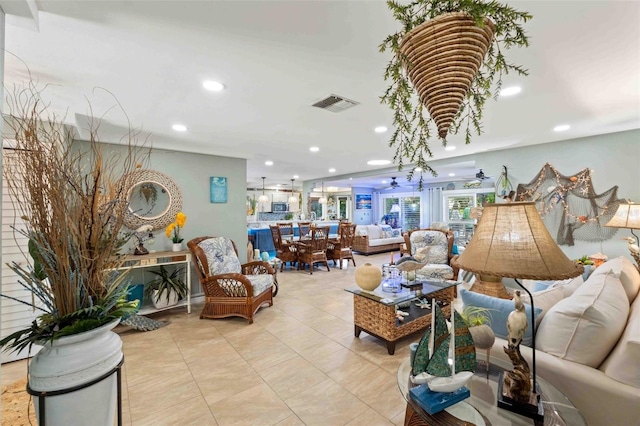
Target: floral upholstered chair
{"points": [[230, 289], [439, 252]]}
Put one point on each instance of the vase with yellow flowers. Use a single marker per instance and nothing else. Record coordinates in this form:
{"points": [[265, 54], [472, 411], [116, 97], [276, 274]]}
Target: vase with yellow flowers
{"points": [[173, 231]]}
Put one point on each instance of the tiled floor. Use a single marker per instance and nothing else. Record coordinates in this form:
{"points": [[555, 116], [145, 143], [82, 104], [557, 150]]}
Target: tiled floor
{"points": [[298, 363]]}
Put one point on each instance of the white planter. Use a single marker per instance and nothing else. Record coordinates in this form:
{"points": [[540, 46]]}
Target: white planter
{"points": [[162, 301], [176, 247], [73, 361]]}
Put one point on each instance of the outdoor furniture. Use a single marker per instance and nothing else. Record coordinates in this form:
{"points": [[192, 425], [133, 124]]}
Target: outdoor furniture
{"points": [[286, 251], [340, 249], [230, 289], [314, 249]]}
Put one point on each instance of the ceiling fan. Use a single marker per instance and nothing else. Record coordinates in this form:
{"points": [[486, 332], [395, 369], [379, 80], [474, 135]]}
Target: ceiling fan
{"points": [[475, 183], [393, 185]]}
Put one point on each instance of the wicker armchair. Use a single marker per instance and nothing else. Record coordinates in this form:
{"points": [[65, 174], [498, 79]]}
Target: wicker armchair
{"points": [[285, 250], [341, 248], [439, 255], [314, 249], [230, 289]]}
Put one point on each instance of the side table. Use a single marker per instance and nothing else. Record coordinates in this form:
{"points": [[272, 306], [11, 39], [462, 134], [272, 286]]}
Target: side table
{"points": [[481, 407]]}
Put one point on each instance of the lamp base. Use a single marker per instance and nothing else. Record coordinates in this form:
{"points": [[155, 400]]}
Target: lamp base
{"points": [[491, 286], [532, 409]]}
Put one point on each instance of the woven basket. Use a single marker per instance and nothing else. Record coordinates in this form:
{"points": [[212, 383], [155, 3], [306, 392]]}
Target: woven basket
{"points": [[444, 54]]}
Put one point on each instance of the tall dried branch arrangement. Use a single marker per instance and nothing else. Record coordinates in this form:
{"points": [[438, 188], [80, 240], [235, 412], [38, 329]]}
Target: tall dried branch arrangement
{"points": [[72, 198]]}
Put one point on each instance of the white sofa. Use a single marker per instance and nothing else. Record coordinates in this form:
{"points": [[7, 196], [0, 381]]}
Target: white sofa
{"points": [[588, 342], [377, 239]]}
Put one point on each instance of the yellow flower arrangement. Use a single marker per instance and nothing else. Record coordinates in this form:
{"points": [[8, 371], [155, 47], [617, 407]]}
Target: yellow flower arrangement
{"points": [[175, 227]]}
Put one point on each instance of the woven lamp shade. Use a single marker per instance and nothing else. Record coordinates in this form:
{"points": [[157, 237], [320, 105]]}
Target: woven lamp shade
{"points": [[444, 54], [627, 216], [511, 241]]}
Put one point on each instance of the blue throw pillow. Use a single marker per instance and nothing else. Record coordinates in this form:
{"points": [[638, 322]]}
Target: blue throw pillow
{"points": [[541, 285], [500, 309]]}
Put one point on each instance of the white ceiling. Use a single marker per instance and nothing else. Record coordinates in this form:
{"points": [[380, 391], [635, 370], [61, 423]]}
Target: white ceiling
{"points": [[279, 57]]}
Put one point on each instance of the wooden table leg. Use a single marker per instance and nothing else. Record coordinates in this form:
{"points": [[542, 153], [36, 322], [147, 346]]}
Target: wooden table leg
{"points": [[357, 331]]}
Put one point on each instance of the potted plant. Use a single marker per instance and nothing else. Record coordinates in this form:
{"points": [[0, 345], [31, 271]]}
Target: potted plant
{"points": [[478, 320], [168, 286], [172, 231], [447, 61], [72, 199]]}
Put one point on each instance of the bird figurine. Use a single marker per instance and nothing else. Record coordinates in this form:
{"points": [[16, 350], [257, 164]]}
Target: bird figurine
{"points": [[412, 263], [633, 245], [517, 322]]}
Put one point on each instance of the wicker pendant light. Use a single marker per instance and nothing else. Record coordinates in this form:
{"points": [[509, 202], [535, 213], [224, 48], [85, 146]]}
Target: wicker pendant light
{"points": [[444, 55]]}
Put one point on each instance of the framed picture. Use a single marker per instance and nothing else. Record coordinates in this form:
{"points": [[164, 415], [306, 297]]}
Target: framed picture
{"points": [[218, 189], [363, 201]]}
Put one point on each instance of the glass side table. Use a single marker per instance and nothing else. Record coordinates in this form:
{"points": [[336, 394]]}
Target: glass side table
{"points": [[481, 407]]}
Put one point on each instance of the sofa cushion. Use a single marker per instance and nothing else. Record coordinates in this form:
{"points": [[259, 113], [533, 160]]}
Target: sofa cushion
{"points": [[584, 327], [500, 310], [374, 232], [385, 241], [568, 286], [629, 275], [623, 363], [361, 230]]}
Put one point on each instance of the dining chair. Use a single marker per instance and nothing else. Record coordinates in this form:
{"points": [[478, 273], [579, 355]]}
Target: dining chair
{"points": [[304, 228], [286, 251], [340, 248], [314, 249]]}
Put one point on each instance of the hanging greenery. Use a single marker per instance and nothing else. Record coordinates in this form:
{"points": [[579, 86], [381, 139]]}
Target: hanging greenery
{"points": [[412, 122]]}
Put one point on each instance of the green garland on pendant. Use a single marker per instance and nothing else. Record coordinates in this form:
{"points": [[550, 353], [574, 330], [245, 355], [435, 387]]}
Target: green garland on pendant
{"points": [[412, 122]]}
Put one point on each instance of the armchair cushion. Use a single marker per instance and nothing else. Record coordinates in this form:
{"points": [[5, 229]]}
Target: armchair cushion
{"points": [[221, 256], [260, 282], [438, 242]]}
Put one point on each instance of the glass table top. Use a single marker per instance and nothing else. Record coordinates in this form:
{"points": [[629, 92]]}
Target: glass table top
{"points": [[482, 407], [402, 294]]}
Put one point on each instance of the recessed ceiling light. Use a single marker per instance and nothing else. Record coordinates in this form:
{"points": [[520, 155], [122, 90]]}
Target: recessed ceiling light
{"points": [[380, 129], [510, 91], [296, 176], [384, 181], [214, 86], [450, 148], [418, 169], [332, 170], [378, 162], [179, 127], [314, 149], [268, 163], [350, 178], [452, 174], [561, 128]]}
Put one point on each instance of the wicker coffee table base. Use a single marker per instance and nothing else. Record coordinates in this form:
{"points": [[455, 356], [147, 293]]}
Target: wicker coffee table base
{"points": [[380, 320]]}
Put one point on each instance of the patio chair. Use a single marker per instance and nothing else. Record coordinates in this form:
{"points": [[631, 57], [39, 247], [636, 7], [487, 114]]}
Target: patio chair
{"points": [[230, 289]]}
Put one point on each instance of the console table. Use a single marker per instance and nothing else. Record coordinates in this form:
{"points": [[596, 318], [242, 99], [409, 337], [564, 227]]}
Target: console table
{"points": [[375, 311], [481, 407], [164, 258]]}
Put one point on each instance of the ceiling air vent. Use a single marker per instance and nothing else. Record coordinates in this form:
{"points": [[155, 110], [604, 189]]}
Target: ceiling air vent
{"points": [[335, 103]]}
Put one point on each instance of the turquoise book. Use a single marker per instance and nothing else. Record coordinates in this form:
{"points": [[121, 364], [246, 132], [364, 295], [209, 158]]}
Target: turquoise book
{"points": [[434, 402]]}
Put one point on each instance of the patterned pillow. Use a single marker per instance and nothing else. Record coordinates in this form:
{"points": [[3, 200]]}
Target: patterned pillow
{"points": [[438, 242], [221, 256]]}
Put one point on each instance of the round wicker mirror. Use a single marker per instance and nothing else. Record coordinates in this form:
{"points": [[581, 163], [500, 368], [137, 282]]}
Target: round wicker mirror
{"points": [[154, 199]]}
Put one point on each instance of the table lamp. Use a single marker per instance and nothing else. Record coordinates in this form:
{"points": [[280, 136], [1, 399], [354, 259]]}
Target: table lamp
{"points": [[511, 241], [628, 216]]}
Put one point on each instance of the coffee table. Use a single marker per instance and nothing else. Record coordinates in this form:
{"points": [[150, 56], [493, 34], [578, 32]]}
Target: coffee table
{"points": [[481, 407], [375, 311]]}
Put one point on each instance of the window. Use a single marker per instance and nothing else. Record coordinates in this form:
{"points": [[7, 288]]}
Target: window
{"points": [[402, 212]]}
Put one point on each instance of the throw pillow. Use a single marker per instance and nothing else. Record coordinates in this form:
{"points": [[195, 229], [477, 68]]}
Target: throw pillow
{"points": [[544, 300], [500, 310], [584, 327], [623, 363], [629, 276]]}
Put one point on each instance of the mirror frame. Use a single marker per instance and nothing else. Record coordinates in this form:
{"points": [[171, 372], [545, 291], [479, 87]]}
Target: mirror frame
{"points": [[134, 221]]}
